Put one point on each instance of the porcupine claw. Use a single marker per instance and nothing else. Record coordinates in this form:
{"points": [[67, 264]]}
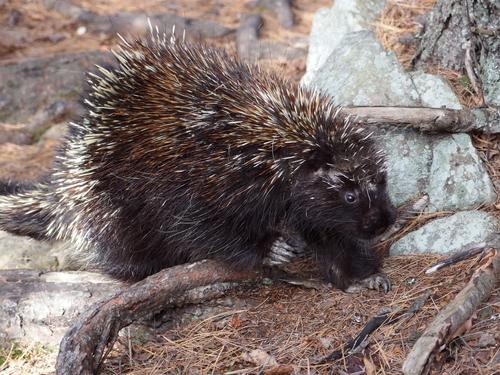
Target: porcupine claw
{"points": [[283, 251], [377, 281]]}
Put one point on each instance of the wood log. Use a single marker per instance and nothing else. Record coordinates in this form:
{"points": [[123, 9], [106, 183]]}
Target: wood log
{"points": [[39, 307]]}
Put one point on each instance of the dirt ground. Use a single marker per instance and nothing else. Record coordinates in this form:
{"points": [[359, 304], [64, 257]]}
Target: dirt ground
{"points": [[290, 325]]}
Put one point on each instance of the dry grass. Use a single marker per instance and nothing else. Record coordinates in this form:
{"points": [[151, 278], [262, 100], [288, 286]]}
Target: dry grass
{"points": [[397, 21], [26, 360], [296, 325]]}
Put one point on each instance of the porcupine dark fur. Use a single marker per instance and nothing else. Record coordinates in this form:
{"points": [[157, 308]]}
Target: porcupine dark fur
{"points": [[186, 153]]}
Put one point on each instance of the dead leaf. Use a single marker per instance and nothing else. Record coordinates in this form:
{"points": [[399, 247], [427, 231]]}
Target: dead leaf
{"points": [[235, 322], [369, 366], [260, 358], [486, 339]]}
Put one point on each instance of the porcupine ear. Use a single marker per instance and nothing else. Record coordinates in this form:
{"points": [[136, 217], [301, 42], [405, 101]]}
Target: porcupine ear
{"points": [[315, 160]]}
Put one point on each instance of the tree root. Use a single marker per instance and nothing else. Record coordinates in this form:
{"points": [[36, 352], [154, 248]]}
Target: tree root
{"points": [[86, 344]]}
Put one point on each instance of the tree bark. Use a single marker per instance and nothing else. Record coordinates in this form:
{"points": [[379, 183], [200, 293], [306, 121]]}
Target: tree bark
{"points": [[463, 35]]}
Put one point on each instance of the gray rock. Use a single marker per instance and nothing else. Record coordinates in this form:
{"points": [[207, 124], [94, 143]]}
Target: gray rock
{"points": [[457, 178], [449, 234], [409, 157], [433, 91], [330, 25], [18, 252], [487, 121], [360, 72], [35, 84]]}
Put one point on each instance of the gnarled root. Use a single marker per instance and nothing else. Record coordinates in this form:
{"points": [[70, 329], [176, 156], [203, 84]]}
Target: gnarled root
{"points": [[85, 345]]}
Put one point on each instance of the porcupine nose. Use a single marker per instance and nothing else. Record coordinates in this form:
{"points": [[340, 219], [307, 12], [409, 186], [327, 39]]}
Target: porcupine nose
{"points": [[376, 221]]}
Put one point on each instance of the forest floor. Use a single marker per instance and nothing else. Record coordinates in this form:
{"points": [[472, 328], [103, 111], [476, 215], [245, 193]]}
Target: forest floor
{"points": [[287, 327]]}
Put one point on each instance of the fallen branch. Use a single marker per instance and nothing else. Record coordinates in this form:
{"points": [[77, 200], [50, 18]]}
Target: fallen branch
{"points": [[87, 343], [457, 257], [485, 120], [450, 320]]}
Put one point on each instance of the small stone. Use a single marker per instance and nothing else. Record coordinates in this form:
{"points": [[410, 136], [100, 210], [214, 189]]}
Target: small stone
{"points": [[14, 17], [81, 30], [267, 281], [57, 37], [410, 281], [325, 342]]}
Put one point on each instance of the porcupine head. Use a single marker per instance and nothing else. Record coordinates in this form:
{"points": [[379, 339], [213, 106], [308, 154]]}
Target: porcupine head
{"points": [[187, 153]]}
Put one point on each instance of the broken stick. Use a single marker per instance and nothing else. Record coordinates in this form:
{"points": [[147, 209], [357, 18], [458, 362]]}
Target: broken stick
{"points": [[448, 322]]}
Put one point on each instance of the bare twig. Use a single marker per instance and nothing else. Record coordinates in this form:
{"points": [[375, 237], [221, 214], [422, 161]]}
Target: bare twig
{"points": [[86, 344], [449, 321], [457, 257], [485, 120]]}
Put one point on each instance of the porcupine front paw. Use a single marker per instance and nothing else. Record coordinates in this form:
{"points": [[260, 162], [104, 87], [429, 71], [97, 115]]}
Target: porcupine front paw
{"points": [[377, 281], [283, 251]]}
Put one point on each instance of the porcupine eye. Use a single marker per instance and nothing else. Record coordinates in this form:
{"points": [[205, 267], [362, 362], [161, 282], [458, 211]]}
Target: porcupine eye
{"points": [[350, 197]]}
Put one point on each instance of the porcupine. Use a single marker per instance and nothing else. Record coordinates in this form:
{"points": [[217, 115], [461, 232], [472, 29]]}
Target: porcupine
{"points": [[187, 153]]}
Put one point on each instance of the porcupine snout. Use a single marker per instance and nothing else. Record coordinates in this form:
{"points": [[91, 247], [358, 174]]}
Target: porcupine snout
{"points": [[378, 219]]}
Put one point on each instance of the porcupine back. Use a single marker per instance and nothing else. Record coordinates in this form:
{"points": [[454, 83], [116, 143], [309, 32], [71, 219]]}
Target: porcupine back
{"points": [[185, 153]]}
